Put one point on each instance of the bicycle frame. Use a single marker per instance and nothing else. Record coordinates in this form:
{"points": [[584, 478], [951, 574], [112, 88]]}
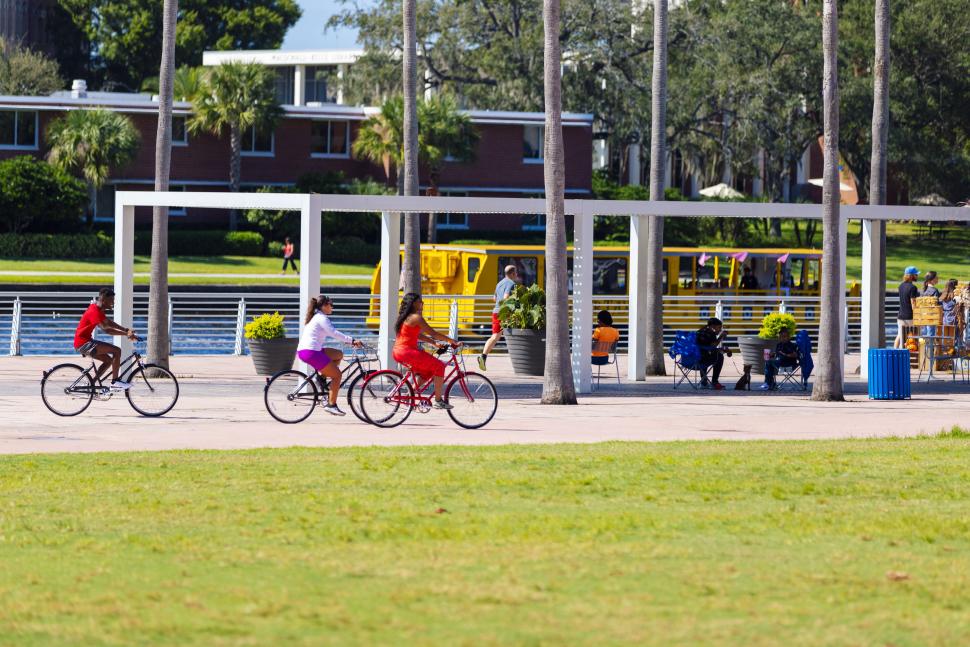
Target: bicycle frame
{"points": [[419, 398], [352, 369], [124, 372]]}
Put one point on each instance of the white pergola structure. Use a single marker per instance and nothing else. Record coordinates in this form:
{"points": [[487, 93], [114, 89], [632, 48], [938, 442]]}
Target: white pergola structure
{"points": [[311, 206]]}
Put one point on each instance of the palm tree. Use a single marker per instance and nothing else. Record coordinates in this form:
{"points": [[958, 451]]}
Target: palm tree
{"points": [[90, 143], [880, 140], [445, 133], [188, 82], [381, 139], [558, 386], [236, 97], [655, 229], [411, 268], [828, 384], [158, 332]]}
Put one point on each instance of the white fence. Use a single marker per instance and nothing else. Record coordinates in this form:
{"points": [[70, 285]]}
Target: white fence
{"points": [[43, 323]]}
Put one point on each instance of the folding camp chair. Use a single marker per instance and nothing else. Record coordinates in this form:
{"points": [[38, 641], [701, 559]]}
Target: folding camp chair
{"points": [[687, 360], [790, 377], [608, 347]]}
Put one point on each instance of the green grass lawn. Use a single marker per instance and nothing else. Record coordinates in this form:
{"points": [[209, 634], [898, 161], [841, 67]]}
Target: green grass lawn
{"points": [[863, 542], [182, 264], [950, 258]]}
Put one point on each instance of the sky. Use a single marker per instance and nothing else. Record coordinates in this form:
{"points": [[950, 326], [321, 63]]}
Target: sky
{"points": [[308, 32]]}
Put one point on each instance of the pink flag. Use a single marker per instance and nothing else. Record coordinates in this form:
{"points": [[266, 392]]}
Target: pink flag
{"points": [[784, 257], [740, 256], [704, 259]]}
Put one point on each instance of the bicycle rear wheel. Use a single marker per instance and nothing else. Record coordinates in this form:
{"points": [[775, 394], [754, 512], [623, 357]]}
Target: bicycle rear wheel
{"points": [[475, 404], [386, 399], [154, 390], [67, 390], [290, 397]]}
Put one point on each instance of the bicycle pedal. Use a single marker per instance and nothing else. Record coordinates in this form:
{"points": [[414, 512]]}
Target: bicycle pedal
{"points": [[424, 408]]}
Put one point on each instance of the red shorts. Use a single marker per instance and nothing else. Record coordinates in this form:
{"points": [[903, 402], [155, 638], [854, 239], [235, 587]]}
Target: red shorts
{"points": [[420, 362], [496, 324]]}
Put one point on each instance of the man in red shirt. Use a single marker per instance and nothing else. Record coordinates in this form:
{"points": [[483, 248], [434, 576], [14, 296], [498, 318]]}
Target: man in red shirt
{"points": [[107, 354]]}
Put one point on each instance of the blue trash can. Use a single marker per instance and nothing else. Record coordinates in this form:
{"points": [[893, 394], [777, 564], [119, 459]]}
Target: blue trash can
{"points": [[889, 374]]}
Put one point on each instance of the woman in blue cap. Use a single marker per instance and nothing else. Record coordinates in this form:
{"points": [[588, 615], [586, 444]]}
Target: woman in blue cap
{"points": [[908, 293]]}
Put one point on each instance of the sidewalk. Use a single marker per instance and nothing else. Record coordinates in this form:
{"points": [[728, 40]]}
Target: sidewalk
{"points": [[221, 407]]}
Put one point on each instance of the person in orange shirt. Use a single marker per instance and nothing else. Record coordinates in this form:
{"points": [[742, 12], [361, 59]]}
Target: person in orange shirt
{"points": [[605, 333], [288, 255]]}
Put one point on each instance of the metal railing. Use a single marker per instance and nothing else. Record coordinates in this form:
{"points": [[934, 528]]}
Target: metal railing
{"points": [[43, 323]]}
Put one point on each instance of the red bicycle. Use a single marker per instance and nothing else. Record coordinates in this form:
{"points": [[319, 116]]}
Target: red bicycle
{"points": [[387, 397]]}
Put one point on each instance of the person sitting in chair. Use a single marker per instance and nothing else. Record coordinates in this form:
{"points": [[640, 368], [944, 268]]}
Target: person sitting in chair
{"points": [[710, 339], [604, 334], [786, 354]]}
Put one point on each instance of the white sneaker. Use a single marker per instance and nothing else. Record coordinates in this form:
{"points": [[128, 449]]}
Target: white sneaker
{"points": [[120, 385], [333, 410]]}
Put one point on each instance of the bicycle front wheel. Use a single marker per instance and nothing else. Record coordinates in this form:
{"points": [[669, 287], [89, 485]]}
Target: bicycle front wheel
{"points": [[386, 399], [473, 399], [67, 390], [353, 395], [154, 390], [290, 397]]}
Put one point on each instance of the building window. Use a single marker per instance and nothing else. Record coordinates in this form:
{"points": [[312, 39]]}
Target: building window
{"points": [[257, 142], [104, 206], [177, 211], [536, 222], [180, 134], [452, 221], [532, 138], [284, 85], [315, 87], [18, 129], [330, 138]]}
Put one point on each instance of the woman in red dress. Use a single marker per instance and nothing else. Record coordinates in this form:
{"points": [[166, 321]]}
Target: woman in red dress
{"points": [[411, 328]]}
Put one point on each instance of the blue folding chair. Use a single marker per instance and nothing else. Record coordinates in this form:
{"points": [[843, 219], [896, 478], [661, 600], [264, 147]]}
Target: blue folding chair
{"points": [[797, 376], [687, 358]]}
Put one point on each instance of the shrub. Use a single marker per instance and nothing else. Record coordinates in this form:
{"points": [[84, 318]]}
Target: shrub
{"points": [[97, 245], [204, 243], [266, 326], [524, 309], [774, 323], [35, 196]]}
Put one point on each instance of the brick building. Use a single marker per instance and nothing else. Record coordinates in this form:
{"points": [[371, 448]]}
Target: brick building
{"points": [[310, 138]]}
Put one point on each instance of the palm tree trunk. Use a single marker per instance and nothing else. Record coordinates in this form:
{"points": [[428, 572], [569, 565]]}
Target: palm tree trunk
{"points": [[235, 170], [828, 383], [655, 230], [158, 332], [558, 386], [880, 142], [411, 268]]}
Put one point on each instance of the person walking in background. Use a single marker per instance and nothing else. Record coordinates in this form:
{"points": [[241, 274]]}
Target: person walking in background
{"points": [[288, 255], [502, 292], [929, 285], [907, 299]]}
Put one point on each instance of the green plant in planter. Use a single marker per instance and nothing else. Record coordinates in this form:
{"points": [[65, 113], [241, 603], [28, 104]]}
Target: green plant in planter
{"points": [[524, 309], [774, 323], [266, 326]]}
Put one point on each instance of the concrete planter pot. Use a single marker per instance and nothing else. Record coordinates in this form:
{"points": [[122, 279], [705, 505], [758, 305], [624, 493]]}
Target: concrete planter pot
{"points": [[753, 351], [270, 356], [527, 349]]}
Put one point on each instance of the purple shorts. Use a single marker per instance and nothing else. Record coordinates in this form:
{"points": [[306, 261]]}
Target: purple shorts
{"points": [[315, 358]]}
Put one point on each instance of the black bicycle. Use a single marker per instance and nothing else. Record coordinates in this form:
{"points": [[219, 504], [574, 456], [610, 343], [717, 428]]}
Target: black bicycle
{"points": [[291, 396], [69, 389]]}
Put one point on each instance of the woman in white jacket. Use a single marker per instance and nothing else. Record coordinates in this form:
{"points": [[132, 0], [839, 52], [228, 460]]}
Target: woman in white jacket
{"points": [[325, 361]]}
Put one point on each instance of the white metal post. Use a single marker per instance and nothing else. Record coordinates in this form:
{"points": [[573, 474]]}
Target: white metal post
{"points": [[15, 324], [240, 327], [843, 304], [299, 85], [124, 271], [309, 254], [871, 263], [390, 280], [582, 301], [171, 320], [637, 278], [453, 319]]}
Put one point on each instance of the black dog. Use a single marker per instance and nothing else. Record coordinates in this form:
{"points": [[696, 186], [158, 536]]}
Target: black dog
{"points": [[744, 384]]}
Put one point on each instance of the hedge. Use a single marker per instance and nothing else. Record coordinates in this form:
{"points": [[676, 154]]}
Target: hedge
{"points": [[339, 249], [204, 243], [98, 245]]}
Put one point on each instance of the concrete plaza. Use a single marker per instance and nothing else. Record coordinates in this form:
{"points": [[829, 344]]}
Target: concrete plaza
{"points": [[221, 407]]}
